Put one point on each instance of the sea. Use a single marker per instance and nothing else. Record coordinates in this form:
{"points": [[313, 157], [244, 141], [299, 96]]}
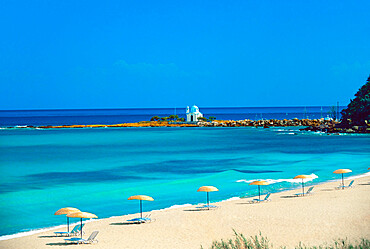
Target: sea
{"points": [[97, 169]]}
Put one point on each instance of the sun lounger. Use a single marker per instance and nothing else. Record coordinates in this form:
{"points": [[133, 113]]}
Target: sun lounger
{"points": [[350, 185], [75, 231], [141, 220], [90, 240], [309, 192], [207, 206], [266, 199]]}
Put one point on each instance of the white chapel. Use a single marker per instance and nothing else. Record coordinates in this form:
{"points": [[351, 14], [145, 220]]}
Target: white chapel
{"points": [[193, 114]]}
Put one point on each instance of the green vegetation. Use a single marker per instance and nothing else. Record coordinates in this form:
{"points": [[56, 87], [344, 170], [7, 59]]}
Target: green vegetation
{"points": [[358, 110], [177, 119], [170, 118], [155, 118], [202, 119], [260, 242]]}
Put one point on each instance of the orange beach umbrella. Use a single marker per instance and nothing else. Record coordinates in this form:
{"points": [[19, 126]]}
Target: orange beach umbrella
{"points": [[302, 177], [207, 189], [82, 215], [67, 210], [259, 183], [141, 198], [342, 171]]}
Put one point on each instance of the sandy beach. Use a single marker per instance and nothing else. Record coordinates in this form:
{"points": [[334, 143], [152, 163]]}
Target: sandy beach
{"points": [[320, 218]]}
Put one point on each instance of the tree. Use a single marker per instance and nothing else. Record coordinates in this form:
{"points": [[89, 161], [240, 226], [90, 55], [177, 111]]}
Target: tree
{"points": [[211, 118], [171, 117], [181, 119], [155, 118], [164, 118], [358, 110], [202, 119]]}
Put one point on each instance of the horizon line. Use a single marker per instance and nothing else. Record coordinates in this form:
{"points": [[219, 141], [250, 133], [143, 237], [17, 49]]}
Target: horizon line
{"points": [[149, 108]]}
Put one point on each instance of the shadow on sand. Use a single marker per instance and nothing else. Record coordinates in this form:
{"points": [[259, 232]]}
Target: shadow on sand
{"points": [[327, 189], [199, 210], [60, 244], [52, 236], [126, 223], [289, 196]]}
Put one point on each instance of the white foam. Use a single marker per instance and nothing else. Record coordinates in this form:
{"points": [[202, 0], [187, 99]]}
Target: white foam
{"points": [[40, 230], [232, 199], [272, 181], [358, 176], [175, 206], [35, 231]]}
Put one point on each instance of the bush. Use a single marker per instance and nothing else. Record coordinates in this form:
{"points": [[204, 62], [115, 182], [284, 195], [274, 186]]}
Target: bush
{"points": [[260, 242], [358, 110]]}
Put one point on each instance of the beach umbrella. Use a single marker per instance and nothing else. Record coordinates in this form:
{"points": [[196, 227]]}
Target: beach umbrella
{"points": [[67, 210], [342, 171], [207, 189], [302, 177], [141, 198], [82, 215], [259, 183]]}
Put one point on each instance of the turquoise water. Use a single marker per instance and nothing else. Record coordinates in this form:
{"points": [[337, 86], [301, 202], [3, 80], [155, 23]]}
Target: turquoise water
{"points": [[96, 170]]}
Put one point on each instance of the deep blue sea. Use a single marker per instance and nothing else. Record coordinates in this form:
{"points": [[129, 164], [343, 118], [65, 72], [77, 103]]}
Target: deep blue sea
{"points": [[96, 170], [116, 116]]}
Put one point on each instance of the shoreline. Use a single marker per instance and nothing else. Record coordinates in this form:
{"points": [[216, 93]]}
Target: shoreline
{"points": [[216, 123], [172, 207]]}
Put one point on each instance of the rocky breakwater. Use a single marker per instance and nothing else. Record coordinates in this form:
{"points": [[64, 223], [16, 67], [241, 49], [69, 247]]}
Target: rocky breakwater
{"points": [[267, 123], [340, 128], [138, 124]]}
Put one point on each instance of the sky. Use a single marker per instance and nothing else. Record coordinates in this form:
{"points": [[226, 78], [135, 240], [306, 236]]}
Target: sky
{"points": [[141, 54]]}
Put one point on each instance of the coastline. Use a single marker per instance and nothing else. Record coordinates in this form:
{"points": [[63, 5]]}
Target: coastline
{"points": [[33, 235], [215, 123]]}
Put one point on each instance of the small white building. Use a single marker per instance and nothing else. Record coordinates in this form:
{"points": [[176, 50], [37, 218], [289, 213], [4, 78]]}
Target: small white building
{"points": [[193, 114]]}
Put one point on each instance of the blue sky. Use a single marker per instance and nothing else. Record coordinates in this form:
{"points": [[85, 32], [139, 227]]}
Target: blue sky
{"points": [[122, 54]]}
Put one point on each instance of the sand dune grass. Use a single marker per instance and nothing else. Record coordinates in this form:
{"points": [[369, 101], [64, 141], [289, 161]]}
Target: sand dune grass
{"points": [[260, 242]]}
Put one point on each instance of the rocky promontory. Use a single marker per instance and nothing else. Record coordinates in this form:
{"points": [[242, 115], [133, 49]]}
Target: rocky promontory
{"points": [[215, 123]]}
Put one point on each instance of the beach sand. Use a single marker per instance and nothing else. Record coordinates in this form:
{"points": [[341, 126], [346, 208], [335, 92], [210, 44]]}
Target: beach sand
{"points": [[323, 217]]}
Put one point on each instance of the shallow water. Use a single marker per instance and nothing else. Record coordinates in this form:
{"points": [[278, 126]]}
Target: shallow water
{"points": [[96, 170]]}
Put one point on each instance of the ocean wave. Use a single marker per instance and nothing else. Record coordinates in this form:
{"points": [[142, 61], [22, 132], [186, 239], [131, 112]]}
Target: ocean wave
{"points": [[34, 231], [175, 206], [272, 181], [358, 176], [231, 199], [40, 230]]}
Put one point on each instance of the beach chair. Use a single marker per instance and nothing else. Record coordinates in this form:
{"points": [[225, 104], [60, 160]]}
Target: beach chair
{"points": [[145, 219], [90, 240], [266, 199], [207, 206], [350, 185], [309, 192], [75, 231]]}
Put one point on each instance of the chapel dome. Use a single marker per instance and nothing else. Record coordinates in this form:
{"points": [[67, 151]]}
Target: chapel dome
{"points": [[194, 108]]}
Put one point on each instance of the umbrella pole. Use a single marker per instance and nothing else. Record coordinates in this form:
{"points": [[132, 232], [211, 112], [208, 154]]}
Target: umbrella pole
{"points": [[208, 200], [68, 225], [141, 209], [302, 187], [81, 228], [342, 182], [259, 193]]}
